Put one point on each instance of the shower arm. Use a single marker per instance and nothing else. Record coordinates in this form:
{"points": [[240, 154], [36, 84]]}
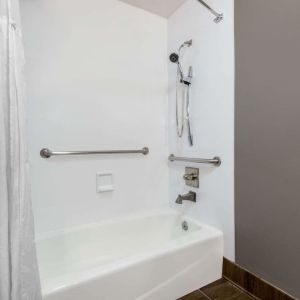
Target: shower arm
{"points": [[219, 17]]}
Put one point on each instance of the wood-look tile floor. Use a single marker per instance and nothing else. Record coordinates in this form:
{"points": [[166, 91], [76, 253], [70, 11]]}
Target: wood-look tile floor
{"points": [[219, 290]]}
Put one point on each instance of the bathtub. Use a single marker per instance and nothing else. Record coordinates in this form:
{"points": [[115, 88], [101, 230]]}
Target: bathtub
{"points": [[144, 257]]}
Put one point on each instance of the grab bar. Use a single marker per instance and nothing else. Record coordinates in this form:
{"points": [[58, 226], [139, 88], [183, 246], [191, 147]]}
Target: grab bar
{"points": [[47, 153], [215, 161]]}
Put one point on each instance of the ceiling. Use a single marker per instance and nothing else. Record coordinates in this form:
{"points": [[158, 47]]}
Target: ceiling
{"points": [[163, 8]]}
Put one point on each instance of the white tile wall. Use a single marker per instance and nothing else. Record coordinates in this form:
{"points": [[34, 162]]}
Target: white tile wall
{"points": [[212, 108], [96, 79]]}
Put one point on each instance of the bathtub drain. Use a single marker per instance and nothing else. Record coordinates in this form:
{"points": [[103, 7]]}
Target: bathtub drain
{"points": [[185, 226]]}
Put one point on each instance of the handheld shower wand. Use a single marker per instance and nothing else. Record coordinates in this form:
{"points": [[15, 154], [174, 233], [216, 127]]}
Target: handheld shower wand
{"points": [[184, 83], [188, 110], [175, 58], [188, 43]]}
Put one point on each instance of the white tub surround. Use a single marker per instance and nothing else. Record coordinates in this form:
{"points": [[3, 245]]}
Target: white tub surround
{"points": [[142, 257], [104, 85], [212, 112]]}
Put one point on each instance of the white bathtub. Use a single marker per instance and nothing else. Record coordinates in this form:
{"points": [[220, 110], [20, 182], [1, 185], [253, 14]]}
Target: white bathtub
{"points": [[143, 257]]}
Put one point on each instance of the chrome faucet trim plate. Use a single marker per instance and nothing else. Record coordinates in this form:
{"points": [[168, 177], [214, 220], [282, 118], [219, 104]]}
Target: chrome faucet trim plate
{"points": [[191, 177]]}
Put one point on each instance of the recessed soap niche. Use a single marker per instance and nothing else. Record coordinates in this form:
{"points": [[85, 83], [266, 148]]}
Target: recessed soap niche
{"points": [[104, 182]]}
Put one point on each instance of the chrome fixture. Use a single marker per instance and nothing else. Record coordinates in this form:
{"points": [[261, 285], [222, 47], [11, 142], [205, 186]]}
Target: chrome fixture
{"points": [[191, 177], [185, 225], [46, 153], [215, 161], [175, 58], [190, 196], [219, 17], [183, 88], [187, 108]]}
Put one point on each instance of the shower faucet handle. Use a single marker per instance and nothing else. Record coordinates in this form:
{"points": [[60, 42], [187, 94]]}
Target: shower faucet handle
{"points": [[191, 177]]}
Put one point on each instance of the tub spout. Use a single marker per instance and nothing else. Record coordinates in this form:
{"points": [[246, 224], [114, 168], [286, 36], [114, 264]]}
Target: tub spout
{"points": [[190, 196]]}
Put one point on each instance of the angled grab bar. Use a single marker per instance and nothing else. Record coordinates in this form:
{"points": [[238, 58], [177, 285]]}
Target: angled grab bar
{"points": [[47, 153], [215, 161]]}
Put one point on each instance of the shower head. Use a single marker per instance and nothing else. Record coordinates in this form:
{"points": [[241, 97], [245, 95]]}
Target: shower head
{"points": [[188, 43], [218, 18], [174, 57]]}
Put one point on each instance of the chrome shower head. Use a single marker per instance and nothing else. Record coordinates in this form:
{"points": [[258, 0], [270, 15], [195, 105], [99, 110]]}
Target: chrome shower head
{"points": [[219, 18], [174, 57], [188, 43]]}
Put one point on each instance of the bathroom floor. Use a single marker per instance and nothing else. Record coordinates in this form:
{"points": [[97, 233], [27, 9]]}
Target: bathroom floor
{"points": [[219, 290]]}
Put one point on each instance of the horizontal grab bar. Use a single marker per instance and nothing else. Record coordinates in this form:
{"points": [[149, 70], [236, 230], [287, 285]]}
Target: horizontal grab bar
{"points": [[46, 153], [215, 161]]}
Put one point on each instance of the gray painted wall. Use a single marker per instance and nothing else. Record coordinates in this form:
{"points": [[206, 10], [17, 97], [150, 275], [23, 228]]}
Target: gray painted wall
{"points": [[267, 175]]}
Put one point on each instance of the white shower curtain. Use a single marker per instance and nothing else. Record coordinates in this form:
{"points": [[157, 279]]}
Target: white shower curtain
{"points": [[19, 278]]}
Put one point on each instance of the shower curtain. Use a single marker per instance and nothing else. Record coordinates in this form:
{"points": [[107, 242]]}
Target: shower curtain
{"points": [[19, 278]]}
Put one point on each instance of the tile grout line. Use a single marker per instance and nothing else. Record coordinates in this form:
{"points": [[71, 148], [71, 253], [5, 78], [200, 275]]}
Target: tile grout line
{"points": [[241, 288], [206, 296], [232, 268]]}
